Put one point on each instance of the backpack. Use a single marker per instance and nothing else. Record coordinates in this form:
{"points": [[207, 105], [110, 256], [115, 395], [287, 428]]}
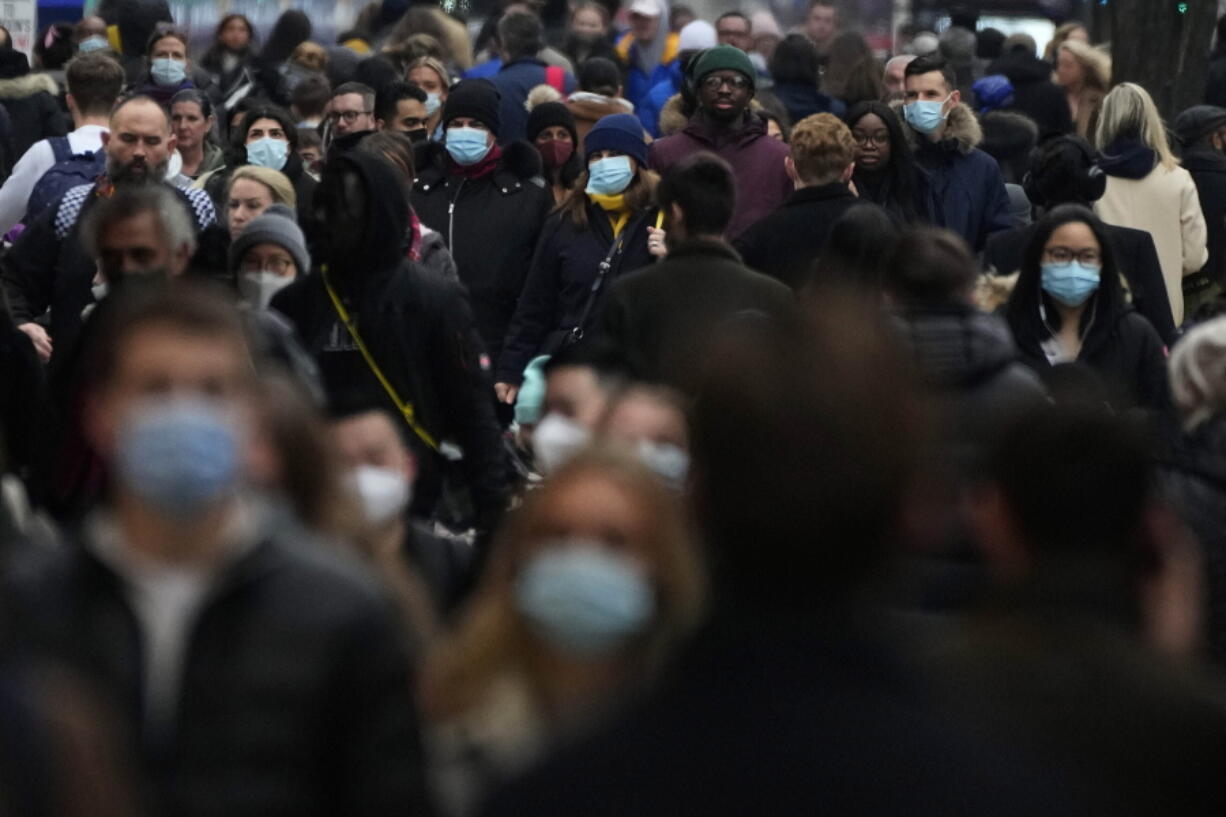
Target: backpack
{"points": [[70, 170]]}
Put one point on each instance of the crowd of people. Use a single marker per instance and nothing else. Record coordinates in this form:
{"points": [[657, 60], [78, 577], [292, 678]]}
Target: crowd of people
{"points": [[613, 412]]}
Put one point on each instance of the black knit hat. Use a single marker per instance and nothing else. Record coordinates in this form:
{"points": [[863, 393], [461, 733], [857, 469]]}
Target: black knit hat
{"points": [[551, 115], [476, 99], [13, 64]]}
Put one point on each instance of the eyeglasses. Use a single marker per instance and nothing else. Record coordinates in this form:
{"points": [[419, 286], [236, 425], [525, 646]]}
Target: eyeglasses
{"points": [[880, 138], [277, 266], [349, 116], [714, 83], [1064, 255]]}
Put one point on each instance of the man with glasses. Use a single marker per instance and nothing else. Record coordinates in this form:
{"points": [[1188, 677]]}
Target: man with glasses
{"points": [[353, 109], [724, 82], [785, 243]]}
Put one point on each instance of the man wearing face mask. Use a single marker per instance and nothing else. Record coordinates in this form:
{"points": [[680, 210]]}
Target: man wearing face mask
{"points": [[187, 607], [724, 80], [966, 182], [489, 202], [382, 471], [48, 268], [401, 108], [382, 326]]}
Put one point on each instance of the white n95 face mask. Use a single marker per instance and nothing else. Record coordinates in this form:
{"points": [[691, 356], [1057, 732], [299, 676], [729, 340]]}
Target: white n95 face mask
{"points": [[556, 441], [384, 493]]}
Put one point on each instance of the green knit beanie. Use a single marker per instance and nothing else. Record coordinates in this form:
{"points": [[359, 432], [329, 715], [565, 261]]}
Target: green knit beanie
{"points": [[724, 57]]}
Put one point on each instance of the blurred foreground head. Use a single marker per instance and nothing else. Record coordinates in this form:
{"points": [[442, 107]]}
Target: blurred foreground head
{"points": [[804, 437]]}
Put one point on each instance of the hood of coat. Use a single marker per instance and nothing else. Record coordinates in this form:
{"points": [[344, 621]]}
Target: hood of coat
{"points": [[957, 345], [1008, 135], [519, 159], [29, 85], [387, 213], [1021, 68], [672, 116], [1128, 159], [589, 106], [962, 130]]}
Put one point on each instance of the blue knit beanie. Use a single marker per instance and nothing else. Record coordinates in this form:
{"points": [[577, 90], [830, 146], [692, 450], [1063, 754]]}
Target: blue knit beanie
{"points": [[622, 132]]}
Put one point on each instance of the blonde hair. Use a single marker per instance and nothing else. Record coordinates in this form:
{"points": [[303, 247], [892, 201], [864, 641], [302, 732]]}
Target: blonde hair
{"points": [[1060, 37], [1096, 64], [822, 148], [493, 639], [434, 65], [311, 56], [1128, 111], [278, 184]]}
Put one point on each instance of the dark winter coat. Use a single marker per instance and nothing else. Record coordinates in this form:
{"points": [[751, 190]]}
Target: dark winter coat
{"points": [[48, 267], [1208, 169], [1125, 351], [762, 181], [514, 81], [1194, 479], [1215, 84], [1034, 94], [969, 362], [293, 695], [564, 271], [1009, 137], [966, 182], [491, 225], [31, 104], [1135, 256], [665, 319], [419, 329], [785, 244], [800, 99]]}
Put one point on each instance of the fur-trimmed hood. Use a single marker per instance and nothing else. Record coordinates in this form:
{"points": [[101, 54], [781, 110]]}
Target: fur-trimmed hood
{"points": [[29, 85], [589, 106], [519, 159], [962, 128], [672, 116]]}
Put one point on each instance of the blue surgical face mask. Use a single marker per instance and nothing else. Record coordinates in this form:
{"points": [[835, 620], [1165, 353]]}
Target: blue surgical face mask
{"points": [[432, 104], [268, 152], [1071, 284], [467, 145], [95, 42], [609, 176], [179, 456], [925, 115], [167, 72], [583, 598]]}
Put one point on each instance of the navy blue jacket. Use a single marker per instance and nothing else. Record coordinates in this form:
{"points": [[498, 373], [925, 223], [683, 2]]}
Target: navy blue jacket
{"points": [[966, 182], [514, 81], [801, 100], [560, 281]]}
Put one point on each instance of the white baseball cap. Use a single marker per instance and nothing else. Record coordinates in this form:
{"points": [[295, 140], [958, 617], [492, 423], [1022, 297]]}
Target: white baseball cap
{"points": [[646, 8]]}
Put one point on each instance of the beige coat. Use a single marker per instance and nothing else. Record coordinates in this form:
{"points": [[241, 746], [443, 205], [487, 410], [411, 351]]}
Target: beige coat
{"points": [[1164, 204]]}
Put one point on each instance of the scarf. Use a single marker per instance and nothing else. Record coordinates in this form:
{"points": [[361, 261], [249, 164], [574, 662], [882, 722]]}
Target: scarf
{"points": [[615, 208], [1128, 159], [414, 236], [479, 170]]}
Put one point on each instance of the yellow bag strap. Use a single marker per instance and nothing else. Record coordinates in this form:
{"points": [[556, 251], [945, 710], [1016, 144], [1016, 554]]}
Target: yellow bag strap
{"points": [[406, 409]]}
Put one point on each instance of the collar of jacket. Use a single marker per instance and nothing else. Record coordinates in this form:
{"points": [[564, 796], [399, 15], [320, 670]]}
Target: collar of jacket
{"points": [[699, 247], [1204, 160], [29, 85], [700, 127], [819, 192], [962, 131], [521, 163], [522, 61]]}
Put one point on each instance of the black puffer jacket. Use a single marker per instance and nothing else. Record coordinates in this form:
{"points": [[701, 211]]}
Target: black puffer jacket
{"points": [[969, 361], [419, 329], [1194, 476], [294, 697], [491, 225], [560, 284]]}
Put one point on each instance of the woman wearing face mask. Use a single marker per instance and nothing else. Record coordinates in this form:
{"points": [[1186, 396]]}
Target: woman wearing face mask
{"points": [[886, 173], [649, 422], [230, 57], [169, 67], [1069, 307], [266, 137], [268, 254], [598, 232], [251, 191], [590, 590], [191, 117], [429, 74], [551, 128]]}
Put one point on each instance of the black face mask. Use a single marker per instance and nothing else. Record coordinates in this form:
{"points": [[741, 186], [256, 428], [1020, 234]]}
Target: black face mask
{"points": [[418, 135]]}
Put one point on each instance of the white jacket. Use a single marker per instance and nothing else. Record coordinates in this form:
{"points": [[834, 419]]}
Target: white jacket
{"points": [[1164, 204]]}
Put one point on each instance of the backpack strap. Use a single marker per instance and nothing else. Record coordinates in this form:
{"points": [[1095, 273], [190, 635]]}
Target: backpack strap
{"points": [[555, 77], [60, 148]]}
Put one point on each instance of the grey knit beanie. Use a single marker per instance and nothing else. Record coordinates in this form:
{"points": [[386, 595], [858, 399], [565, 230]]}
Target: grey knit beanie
{"points": [[276, 225]]}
